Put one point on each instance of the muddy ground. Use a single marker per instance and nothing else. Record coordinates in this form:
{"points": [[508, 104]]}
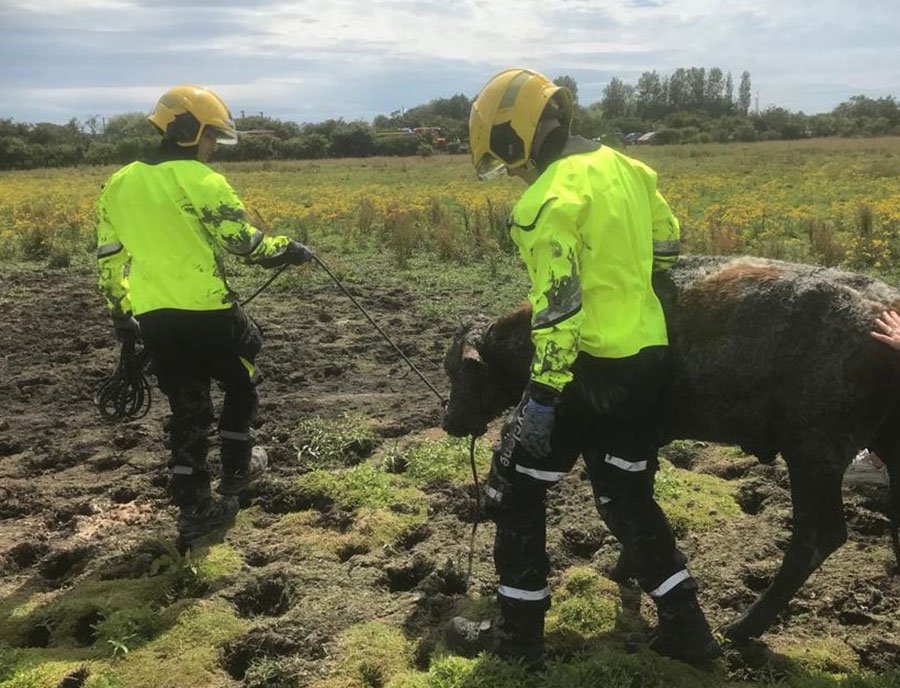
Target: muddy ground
{"points": [[78, 496]]}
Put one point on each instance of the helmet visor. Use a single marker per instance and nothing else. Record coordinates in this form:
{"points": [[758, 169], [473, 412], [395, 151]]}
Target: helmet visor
{"points": [[227, 137], [490, 167]]}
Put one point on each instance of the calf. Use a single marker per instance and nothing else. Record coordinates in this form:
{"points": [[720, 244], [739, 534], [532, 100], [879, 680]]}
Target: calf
{"points": [[774, 357]]}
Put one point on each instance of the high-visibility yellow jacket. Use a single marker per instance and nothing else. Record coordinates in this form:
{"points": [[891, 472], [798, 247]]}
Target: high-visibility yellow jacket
{"points": [[591, 230], [160, 234]]}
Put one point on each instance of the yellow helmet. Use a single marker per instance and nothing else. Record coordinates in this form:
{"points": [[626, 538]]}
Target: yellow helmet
{"points": [[184, 112], [505, 116]]}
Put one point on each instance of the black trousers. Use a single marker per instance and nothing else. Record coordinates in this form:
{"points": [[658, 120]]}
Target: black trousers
{"points": [[188, 349], [609, 414]]}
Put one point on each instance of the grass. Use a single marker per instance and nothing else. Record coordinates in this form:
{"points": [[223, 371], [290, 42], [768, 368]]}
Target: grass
{"points": [[369, 655], [113, 625], [334, 442], [442, 462], [694, 501], [585, 610], [184, 654]]}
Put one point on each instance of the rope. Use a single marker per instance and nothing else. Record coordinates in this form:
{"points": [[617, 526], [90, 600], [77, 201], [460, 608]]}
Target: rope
{"points": [[126, 393], [380, 331], [264, 286], [478, 507]]}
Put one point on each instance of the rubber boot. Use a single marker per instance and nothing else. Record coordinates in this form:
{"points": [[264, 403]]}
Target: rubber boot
{"points": [[242, 463], [517, 634], [683, 632], [209, 517]]}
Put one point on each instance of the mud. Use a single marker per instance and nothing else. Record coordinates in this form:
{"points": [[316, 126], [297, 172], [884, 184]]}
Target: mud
{"points": [[79, 497]]}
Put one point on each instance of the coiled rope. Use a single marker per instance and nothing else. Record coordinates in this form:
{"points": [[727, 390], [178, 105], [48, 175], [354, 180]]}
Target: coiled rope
{"points": [[126, 393]]}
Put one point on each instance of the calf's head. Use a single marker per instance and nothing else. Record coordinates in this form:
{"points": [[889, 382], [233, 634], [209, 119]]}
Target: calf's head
{"points": [[487, 364]]}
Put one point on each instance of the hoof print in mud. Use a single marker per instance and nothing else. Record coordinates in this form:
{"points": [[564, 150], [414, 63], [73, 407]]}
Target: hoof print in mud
{"points": [[267, 594], [62, 565], [756, 579], [38, 636], [413, 535], [864, 522], [127, 438], [407, 576], [124, 494], [85, 631], [351, 549], [284, 496], [753, 495], [583, 544], [449, 579], [264, 642], [75, 679], [9, 447], [877, 653], [24, 555]]}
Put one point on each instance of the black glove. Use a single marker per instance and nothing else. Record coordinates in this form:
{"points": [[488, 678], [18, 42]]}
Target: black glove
{"points": [[126, 327], [537, 421], [297, 254]]}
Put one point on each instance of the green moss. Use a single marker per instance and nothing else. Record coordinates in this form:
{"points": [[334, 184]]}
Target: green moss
{"points": [[694, 501], [72, 617], [221, 561], [17, 607], [44, 676], [369, 655], [612, 669], [436, 463], [358, 487], [184, 656], [456, 672], [825, 655], [585, 608], [37, 668]]}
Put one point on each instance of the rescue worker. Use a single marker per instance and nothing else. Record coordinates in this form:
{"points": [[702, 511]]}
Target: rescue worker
{"points": [[163, 226], [591, 228]]}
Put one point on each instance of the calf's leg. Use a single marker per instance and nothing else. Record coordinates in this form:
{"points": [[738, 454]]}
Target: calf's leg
{"points": [[818, 530]]}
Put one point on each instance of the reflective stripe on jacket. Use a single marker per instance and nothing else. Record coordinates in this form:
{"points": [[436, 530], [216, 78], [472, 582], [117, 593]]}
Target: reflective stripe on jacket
{"points": [[591, 230], [161, 230]]}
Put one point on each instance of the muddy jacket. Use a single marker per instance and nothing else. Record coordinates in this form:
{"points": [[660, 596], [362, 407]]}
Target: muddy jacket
{"points": [[591, 230], [160, 234]]}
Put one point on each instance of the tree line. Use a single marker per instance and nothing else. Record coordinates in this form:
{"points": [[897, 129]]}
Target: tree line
{"points": [[692, 105]]}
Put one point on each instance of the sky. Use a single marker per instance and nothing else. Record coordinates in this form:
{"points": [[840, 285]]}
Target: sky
{"points": [[313, 60]]}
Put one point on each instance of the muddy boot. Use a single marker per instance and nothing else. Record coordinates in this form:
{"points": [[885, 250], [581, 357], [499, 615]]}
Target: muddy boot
{"points": [[209, 517], [241, 465], [517, 634], [683, 632], [471, 638]]}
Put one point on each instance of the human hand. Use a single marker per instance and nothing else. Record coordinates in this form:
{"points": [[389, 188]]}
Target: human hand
{"points": [[126, 326], [888, 329], [536, 428], [298, 254]]}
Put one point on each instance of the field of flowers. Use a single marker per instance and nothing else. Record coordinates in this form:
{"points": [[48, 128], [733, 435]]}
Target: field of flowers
{"points": [[834, 202]]}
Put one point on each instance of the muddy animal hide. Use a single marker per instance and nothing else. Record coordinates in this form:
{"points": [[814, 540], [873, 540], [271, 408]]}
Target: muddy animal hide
{"points": [[774, 357]]}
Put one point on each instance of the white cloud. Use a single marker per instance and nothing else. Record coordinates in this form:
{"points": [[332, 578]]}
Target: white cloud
{"points": [[347, 52]]}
